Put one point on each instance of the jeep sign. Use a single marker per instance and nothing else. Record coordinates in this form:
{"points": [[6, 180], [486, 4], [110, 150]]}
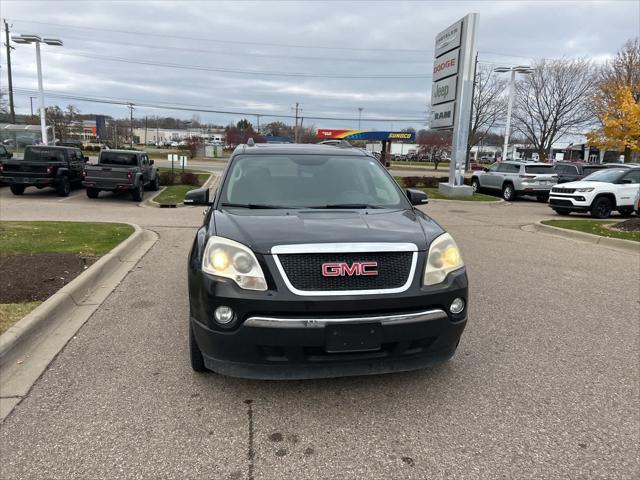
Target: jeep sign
{"points": [[446, 65], [444, 90], [442, 115], [448, 39]]}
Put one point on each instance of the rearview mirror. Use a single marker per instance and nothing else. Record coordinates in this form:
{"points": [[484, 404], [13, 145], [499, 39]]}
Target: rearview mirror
{"points": [[417, 197], [199, 196]]}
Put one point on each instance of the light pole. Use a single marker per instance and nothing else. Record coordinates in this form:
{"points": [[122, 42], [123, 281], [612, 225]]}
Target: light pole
{"points": [[524, 69], [359, 116], [31, 38]]}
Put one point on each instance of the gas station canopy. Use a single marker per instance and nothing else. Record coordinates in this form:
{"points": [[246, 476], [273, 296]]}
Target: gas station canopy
{"points": [[371, 135]]}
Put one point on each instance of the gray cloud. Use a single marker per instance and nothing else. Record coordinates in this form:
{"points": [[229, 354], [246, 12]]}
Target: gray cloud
{"points": [[369, 39]]}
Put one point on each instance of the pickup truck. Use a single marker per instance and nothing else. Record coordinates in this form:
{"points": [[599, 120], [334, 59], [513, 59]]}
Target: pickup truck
{"points": [[43, 166], [121, 170]]}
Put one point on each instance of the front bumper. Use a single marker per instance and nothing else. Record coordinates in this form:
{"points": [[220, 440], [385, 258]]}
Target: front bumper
{"points": [[280, 335], [571, 203]]}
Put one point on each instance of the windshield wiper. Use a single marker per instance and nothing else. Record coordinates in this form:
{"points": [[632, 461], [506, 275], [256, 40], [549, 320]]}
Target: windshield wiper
{"points": [[251, 205], [347, 205]]}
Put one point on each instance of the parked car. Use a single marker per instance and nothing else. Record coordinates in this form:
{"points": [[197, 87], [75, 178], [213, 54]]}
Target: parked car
{"points": [[514, 178], [637, 203], [121, 170], [44, 166], [312, 262], [599, 194], [574, 171]]}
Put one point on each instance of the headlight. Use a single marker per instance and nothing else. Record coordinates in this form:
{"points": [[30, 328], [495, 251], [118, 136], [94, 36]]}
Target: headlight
{"points": [[590, 189], [443, 257], [226, 258]]}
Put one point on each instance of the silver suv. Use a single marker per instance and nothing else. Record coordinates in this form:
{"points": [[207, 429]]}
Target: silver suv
{"points": [[516, 178]]}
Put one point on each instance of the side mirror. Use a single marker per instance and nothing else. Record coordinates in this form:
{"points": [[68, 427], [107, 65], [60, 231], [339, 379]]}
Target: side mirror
{"points": [[485, 169], [199, 196], [151, 162], [417, 197]]}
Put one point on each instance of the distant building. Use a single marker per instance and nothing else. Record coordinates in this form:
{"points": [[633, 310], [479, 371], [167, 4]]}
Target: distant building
{"points": [[277, 139], [159, 136]]}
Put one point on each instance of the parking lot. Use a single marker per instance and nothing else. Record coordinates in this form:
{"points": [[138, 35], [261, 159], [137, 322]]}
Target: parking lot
{"points": [[545, 383]]}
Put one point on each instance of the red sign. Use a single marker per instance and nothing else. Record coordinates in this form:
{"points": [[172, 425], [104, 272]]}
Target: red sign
{"points": [[326, 133]]}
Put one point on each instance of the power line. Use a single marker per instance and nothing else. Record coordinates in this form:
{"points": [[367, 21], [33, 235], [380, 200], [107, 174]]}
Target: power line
{"points": [[239, 72], [212, 40], [200, 109]]}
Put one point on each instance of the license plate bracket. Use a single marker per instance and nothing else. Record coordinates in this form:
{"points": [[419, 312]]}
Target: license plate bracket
{"points": [[362, 337]]}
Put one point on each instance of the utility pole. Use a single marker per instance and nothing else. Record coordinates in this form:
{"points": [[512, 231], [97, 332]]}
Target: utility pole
{"points": [[157, 132], [130, 106], [12, 110], [258, 121], [31, 102], [145, 129], [359, 116], [295, 131]]}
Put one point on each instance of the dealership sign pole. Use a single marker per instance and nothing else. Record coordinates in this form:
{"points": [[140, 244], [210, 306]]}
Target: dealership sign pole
{"points": [[452, 94]]}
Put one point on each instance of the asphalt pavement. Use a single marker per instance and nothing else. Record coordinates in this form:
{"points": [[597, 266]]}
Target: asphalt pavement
{"points": [[545, 383]]}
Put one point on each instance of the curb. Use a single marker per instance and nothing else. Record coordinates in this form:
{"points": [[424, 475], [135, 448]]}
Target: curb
{"points": [[151, 203], [27, 347], [628, 246], [474, 202]]}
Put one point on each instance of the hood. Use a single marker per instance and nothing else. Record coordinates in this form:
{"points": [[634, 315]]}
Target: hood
{"points": [[583, 184], [262, 229]]}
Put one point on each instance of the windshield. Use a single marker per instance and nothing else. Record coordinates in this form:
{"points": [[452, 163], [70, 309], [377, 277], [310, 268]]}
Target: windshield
{"points": [[119, 158], [608, 175], [310, 181], [43, 155], [538, 169]]}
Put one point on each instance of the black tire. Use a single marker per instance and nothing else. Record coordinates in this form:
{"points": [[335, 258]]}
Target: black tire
{"points": [[92, 192], [475, 184], [625, 211], [601, 207], [63, 189], [508, 192], [195, 355], [155, 184], [17, 189], [562, 212], [138, 193], [542, 198]]}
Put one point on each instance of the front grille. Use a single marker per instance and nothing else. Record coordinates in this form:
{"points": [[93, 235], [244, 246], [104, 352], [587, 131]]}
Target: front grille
{"points": [[562, 190], [304, 270], [560, 203]]}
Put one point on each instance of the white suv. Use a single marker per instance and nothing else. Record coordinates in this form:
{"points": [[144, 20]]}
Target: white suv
{"points": [[599, 193]]}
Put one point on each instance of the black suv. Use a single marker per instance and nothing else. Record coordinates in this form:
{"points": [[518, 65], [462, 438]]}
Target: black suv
{"points": [[44, 166], [312, 262], [574, 171]]}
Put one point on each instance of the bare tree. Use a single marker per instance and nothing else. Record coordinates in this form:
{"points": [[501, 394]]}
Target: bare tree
{"points": [[624, 69], [489, 105], [553, 101]]}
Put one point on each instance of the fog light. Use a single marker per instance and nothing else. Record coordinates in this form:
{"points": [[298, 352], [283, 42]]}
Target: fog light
{"points": [[224, 315], [457, 306]]}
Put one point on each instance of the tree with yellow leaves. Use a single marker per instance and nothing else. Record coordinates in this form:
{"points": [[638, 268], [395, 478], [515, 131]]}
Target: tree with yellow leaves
{"points": [[619, 114], [616, 103]]}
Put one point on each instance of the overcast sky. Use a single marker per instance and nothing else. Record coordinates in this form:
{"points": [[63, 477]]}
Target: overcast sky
{"points": [[103, 40]]}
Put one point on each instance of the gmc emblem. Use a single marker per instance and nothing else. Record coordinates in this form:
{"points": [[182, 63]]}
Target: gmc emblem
{"points": [[340, 269]]}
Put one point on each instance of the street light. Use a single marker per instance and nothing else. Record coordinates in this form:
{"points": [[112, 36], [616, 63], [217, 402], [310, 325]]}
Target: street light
{"points": [[31, 38], [524, 69]]}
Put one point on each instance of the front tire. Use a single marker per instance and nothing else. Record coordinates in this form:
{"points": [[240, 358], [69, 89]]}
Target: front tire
{"points": [[195, 355], [508, 192], [64, 187], [475, 184], [155, 184], [17, 189], [93, 192], [138, 193], [601, 208]]}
